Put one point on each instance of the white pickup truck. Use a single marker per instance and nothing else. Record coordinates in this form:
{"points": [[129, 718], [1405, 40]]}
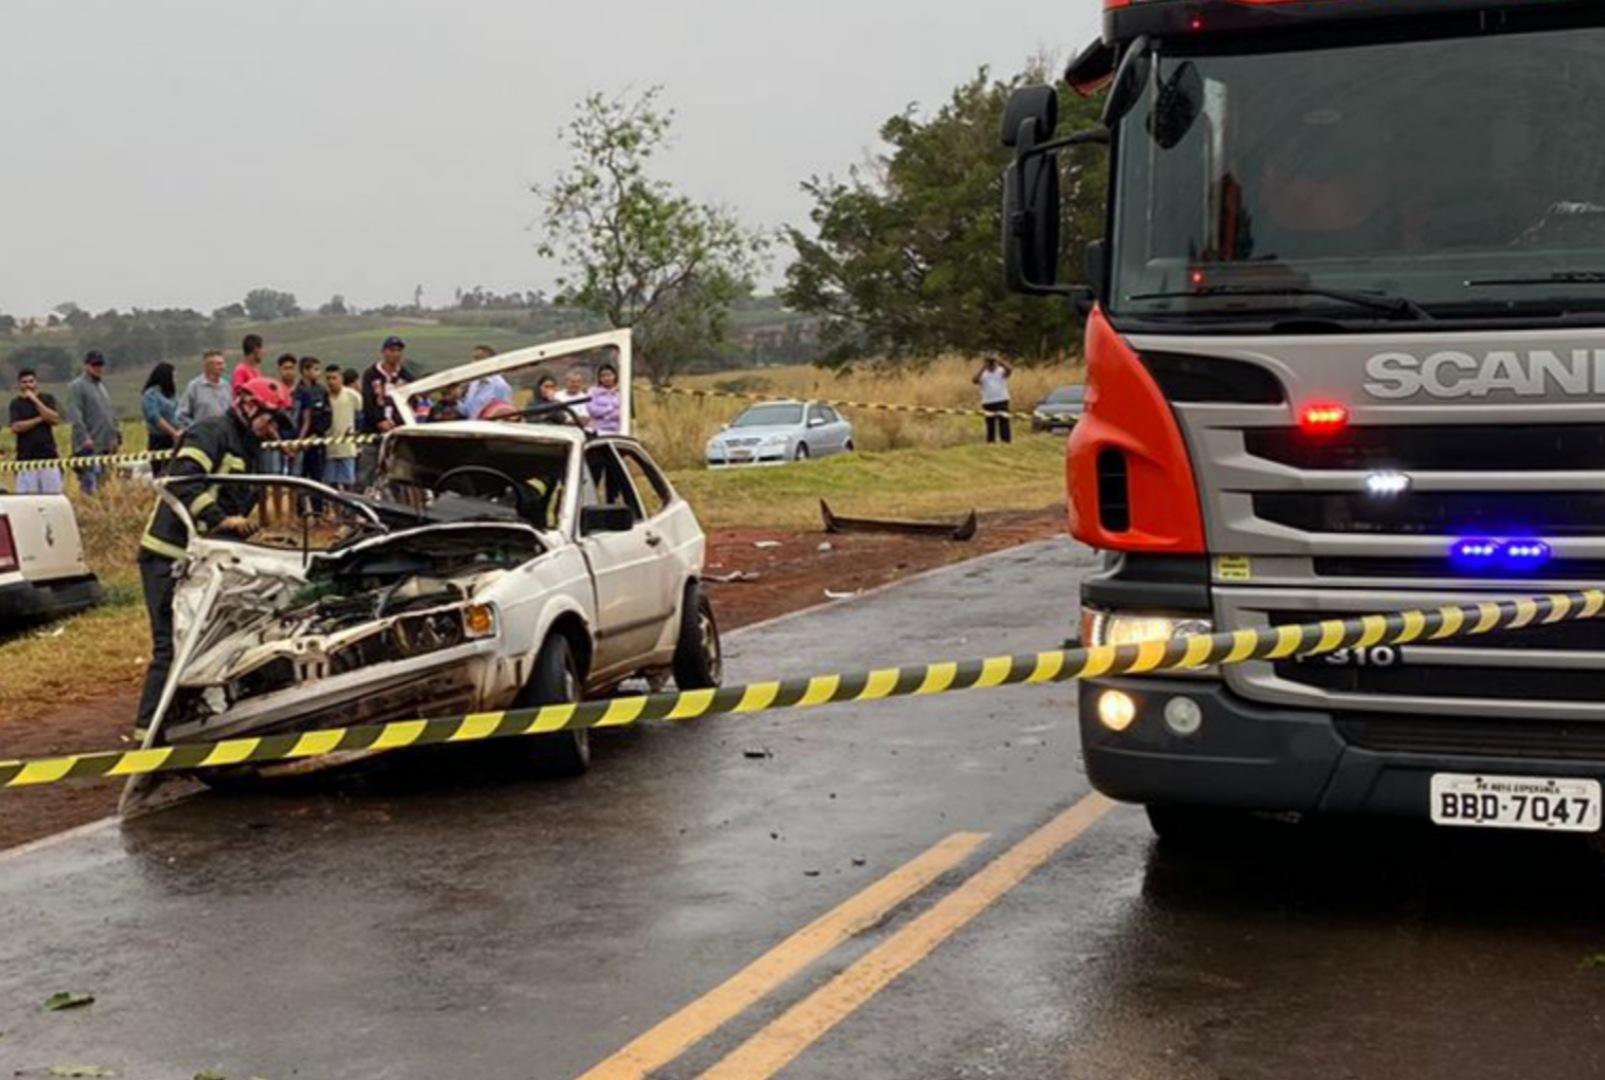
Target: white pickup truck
{"points": [[493, 564], [42, 568]]}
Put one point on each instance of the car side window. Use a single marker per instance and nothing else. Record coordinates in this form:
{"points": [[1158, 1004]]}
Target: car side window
{"points": [[650, 486], [817, 412], [829, 414], [606, 483]]}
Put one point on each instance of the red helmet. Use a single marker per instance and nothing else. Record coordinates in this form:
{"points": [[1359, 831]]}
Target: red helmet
{"points": [[269, 393]]}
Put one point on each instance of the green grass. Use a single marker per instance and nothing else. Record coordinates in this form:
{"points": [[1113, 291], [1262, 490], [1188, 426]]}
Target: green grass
{"points": [[919, 483]]}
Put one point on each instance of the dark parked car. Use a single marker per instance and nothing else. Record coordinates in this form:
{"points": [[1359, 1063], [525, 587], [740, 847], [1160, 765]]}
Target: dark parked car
{"points": [[1060, 410]]}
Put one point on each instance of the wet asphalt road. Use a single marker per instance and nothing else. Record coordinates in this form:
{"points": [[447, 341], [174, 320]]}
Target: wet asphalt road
{"points": [[454, 929]]}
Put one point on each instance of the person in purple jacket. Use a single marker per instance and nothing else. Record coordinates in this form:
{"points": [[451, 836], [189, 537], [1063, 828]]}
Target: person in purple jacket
{"points": [[604, 403]]}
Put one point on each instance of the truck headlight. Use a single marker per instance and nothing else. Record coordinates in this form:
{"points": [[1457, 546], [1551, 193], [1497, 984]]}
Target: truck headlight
{"points": [[1114, 628]]}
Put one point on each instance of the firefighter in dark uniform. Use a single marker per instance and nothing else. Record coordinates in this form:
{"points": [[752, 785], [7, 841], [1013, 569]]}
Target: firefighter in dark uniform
{"points": [[221, 446]]}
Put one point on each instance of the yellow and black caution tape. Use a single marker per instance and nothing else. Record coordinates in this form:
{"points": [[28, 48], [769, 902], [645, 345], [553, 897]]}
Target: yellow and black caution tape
{"points": [[876, 406], [1178, 654], [94, 460]]}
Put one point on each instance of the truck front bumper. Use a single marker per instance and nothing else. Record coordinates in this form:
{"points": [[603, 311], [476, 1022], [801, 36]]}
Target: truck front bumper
{"points": [[25, 601], [1266, 758]]}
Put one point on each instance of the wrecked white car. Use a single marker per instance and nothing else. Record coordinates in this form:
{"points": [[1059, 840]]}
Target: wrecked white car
{"points": [[492, 565]]}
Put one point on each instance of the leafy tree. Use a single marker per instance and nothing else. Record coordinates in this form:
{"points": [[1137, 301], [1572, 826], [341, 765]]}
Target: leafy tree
{"points": [[265, 305], [50, 361], [336, 305], [904, 261], [633, 250], [8, 325], [229, 311]]}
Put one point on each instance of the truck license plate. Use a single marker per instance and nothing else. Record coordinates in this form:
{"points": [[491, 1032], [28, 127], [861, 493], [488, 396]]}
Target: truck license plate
{"points": [[1547, 804]]}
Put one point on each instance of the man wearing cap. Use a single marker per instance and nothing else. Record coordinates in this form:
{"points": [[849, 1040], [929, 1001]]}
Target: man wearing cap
{"points": [[379, 413], [221, 446], [93, 419]]}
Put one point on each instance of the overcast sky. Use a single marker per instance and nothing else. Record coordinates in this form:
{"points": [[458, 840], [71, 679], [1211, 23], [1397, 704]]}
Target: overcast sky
{"points": [[179, 152]]}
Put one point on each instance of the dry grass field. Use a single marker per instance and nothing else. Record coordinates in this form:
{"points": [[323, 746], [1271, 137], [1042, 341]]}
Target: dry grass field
{"points": [[676, 429]]}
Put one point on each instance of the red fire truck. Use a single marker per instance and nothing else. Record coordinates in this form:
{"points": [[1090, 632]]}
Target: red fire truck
{"points": [[1345, 346]]}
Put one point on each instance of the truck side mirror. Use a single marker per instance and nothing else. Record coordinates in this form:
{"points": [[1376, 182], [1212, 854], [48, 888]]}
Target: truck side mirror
{"points": [[1031, 211], [1130, 79]]}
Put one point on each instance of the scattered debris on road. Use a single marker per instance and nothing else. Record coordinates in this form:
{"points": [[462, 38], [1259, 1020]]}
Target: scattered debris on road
{"points": [[68, 999]]}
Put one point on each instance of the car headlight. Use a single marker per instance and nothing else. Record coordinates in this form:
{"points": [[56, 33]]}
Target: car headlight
{"points": [[1113, 628], [479, 621]]}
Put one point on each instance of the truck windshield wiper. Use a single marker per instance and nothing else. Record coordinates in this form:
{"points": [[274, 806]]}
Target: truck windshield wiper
{"points": [[1397, 306], [1559, 277]]}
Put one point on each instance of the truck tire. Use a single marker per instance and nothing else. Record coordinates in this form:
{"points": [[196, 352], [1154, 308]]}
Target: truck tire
{"points": [[698, 657], [1183, 827], [555, 680]]}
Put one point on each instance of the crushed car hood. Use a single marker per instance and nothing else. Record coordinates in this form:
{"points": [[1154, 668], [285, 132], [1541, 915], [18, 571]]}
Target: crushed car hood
{"points": [[266, 615], [437, 548]]}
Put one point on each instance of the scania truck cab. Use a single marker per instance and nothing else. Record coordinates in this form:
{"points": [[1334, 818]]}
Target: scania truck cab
{"points": [[1345, 348]]}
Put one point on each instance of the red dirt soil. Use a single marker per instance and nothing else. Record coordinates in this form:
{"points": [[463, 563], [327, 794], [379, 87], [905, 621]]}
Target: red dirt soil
{"points": [[789, 577]]}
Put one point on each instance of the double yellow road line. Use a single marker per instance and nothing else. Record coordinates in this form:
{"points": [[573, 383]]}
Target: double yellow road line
{"points": [[783, 1039]]}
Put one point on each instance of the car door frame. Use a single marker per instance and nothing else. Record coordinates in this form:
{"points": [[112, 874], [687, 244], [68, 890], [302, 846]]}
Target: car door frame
{"points": [[626, 571]]}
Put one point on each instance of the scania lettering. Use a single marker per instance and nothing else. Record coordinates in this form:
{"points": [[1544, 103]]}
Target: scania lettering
{"points": [[1452, 374], [1345, 347]]}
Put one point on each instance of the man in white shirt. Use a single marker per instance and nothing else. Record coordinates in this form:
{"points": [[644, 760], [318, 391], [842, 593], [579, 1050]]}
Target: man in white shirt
{"points": [[577, 387], [993, 379]]}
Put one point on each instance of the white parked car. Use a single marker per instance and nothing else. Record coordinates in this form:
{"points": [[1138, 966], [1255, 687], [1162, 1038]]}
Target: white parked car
{"points": [[494, 564], [42, 570], [780, 431]]}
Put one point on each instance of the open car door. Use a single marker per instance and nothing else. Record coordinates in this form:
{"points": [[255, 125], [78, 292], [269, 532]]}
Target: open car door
{"points": [[514, 378]]}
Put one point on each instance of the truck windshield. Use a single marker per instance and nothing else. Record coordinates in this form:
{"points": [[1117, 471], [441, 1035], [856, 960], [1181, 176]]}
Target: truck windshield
{"points": [[1465, 175]]}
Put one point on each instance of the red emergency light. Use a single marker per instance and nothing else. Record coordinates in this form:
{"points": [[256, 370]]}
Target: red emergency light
{"points": [[1323, 418]]}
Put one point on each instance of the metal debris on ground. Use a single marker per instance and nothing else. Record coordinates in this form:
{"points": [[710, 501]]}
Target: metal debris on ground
{"points": [[733, 578], [68, 999], [963, 530]]}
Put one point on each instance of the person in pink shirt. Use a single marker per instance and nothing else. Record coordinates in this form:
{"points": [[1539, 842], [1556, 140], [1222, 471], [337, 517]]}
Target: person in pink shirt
{"points": [[250, 366]]}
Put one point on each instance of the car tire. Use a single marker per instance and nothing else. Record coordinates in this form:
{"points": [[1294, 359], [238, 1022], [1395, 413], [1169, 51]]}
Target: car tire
{"points": [[801, 453], [556, 680], [848, 447], [698, 656]]}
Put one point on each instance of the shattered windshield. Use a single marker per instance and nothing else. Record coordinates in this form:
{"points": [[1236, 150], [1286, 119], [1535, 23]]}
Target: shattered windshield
{"points": [[1464, 174], [286, 513]]}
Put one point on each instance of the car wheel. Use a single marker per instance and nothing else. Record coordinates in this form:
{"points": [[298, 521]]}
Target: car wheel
{"points": [[801, 453], [848, 446], [555, 680], [698, 657]]}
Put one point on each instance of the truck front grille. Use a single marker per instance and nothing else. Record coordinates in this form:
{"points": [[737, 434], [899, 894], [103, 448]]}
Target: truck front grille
{"points": [[1459, 737], [1449, 681], [1436, 448], [1437, 513]]}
